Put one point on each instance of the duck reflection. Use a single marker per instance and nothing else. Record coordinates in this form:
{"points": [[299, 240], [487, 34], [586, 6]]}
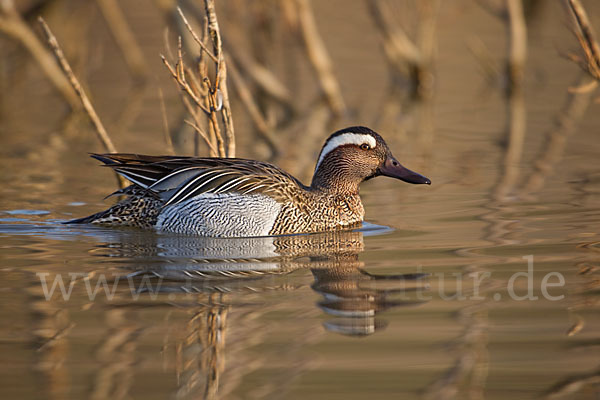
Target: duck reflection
{"points": [[217, 284], [352, 297]]}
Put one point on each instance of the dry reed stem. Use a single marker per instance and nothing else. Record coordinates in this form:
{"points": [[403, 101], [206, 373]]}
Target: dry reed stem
{"points": [[13, 25], [214, 124], [133, 104], [399, 48], [195, 36], [264, 129], [178, 73], [263, 78], [485, 59], [518, 43], [209, 140], [200, 131], [210, 96], [203, 71], [319, 58], [493, 8], [85, 101], [587, 39], [124, 38], [426, 42], [220, 85], [409, 57], [516, 117], [567, 122], [572, 385], [166, 131], [64, 64], [514, 18], [584, 87]]}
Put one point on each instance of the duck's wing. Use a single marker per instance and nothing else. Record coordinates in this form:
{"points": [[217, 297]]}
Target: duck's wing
{"points": [[176, 179]]}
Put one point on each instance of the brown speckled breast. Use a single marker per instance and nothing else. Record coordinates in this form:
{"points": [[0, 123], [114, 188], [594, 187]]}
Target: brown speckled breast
{"points": [[319, 212]]}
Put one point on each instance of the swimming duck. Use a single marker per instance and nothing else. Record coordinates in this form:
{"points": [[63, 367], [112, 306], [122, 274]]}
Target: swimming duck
{"points": [[232, 197]]}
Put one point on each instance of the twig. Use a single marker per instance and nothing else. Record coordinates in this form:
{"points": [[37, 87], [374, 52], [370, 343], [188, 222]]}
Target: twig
{"points": [[263, 78], [319, 58], [102, 134], [205, 86], [514, 19], [398, 46], [518, 43], [406, 56], [166, 131], [12, 24], [485, 59], [85, 101], [196, 38], [201, 132], [210, 140], [212, 117], [178, 73], [263, 127], [587, 39], [209, 95], [493, 8], [516, 118], [220, 86], [566, 124], [180, 79]]}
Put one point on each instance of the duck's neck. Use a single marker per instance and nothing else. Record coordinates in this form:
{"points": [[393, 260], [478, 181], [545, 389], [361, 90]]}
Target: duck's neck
{"points": [[335, 180]]}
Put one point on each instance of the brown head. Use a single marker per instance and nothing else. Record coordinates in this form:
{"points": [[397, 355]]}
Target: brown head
{"points": [[353, 155]]}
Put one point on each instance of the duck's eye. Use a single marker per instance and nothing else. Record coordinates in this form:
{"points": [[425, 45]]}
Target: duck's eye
{"points": [[365, 146]]}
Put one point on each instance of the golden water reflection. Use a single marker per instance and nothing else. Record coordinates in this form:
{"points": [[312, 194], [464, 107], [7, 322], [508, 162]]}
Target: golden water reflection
{"points": [[192, 313]]}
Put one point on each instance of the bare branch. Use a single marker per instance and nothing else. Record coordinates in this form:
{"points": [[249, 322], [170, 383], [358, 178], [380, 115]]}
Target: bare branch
{"points": [[12, 24], [397, 42], [514, 19], [518, 42], [166, 131], [208, 94], [587, 38], [209, 140], [102, 134], [87, 105], [201, 132], [410, 57], [183, 85], [263, 127], [319, 58], [196, 38], [221, 80], [263, 77], [493, 8]]}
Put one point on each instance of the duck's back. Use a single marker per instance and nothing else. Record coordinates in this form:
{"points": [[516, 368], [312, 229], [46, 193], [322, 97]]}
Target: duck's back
{"points": [[203, 196]]}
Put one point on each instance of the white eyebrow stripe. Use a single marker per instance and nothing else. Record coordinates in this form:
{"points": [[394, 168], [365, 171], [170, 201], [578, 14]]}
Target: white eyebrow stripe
{"points": [[343, 139]]}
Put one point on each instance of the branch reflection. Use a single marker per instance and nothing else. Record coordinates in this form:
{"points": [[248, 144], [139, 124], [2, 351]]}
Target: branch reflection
{"points": [[211, 277]]}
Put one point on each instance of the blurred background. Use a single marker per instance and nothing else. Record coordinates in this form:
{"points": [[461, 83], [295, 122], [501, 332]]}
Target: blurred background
{"points": [[495, 101]]}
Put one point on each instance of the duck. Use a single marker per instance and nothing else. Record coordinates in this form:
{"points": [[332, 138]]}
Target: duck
{"points": [[234, 197]]}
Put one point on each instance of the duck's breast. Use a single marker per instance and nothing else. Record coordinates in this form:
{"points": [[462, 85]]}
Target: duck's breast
{"points": [[221, 215]]}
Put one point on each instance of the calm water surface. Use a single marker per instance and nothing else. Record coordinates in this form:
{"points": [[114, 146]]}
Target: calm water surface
{"points": [[485, 284]]}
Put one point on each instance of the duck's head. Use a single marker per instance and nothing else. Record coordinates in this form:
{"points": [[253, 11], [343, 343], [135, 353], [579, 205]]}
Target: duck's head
{"points": [[353, 155]]}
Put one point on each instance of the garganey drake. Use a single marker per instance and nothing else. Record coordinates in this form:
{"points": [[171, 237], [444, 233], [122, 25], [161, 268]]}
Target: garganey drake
{"points": [[232, 197]]}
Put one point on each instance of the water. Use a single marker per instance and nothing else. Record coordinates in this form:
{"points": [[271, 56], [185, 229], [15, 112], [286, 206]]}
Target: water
{"points": [[483, 285]]}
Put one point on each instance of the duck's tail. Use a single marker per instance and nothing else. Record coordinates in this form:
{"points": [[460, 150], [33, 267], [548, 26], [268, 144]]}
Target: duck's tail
{"points": [[87, 220], [138, 210]]}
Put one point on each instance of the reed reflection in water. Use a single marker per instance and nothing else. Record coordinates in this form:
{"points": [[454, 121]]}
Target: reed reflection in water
{"points": [[211, 278], [514, 164]]}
